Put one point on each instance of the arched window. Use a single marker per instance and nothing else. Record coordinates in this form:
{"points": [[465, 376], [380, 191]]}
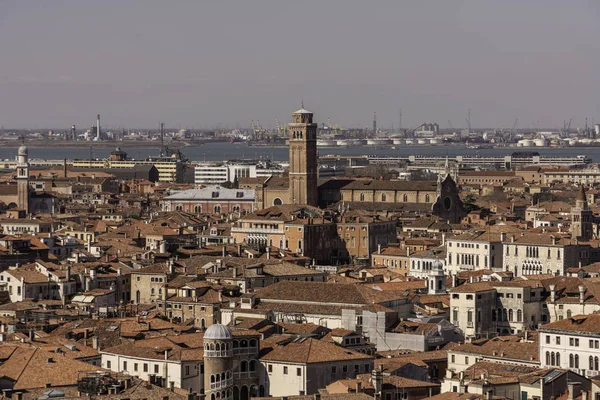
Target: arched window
{"points": [[552, 359], [519, 315], [277, 201], [576, 360], [252, 365], [499, 314], [591, 363], [362, 197], [557, 359], [568, 313], [253, 343], [198, 209], [217, 209], [152, 291], [212, 379], [244, 366], [595, 363], [383, 197], [178, 207], [493, 314], [427, 198], [571, 361], [510, 315], [548, 358]]}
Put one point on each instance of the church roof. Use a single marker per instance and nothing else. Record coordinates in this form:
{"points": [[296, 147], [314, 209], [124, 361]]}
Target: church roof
{"points": [[302, 111]]}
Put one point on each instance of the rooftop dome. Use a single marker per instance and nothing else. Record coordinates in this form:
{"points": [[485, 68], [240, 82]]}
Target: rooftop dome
{"points": [[23, 151], [218, 332]]}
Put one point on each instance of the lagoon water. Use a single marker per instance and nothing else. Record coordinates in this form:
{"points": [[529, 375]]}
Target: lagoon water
{"points": [[225, 151]]}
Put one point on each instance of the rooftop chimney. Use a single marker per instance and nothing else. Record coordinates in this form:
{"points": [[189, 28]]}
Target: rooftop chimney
{"points": [[552, 293], [581, 293]]}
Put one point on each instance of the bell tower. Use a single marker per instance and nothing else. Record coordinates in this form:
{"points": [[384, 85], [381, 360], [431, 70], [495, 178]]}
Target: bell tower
{"points": [[23, 178], [582, 217], [303, 158]]}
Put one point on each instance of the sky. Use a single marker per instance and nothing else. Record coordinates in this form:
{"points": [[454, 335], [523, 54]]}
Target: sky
{"points": [[221, 64]]}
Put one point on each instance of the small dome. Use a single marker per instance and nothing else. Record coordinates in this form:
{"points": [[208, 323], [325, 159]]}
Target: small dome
{"points": [[218, 332], [23, 151]]}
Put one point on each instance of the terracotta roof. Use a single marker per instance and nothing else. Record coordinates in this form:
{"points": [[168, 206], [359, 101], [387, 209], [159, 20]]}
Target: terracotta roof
{"points": [[304, 350]]}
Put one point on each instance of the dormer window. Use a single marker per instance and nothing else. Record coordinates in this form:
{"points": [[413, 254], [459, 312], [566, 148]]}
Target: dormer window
{"points": [[239, 195], [215, 194]]}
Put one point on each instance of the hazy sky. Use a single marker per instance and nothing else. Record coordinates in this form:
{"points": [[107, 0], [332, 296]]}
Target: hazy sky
{"points": [[202, 63]]}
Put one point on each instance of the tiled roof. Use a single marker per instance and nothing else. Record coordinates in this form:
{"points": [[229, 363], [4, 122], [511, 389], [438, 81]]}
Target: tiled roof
{"points": [[306, 351], [325, 293]]}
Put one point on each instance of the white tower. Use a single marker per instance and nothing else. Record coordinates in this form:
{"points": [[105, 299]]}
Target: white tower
{"points": [[23, 178], [436, 281]]}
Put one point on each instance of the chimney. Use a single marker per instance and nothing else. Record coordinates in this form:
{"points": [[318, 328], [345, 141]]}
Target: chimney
{"points": [[68, 273], [95, 343], [443, 238], [407, 251], [98, 127], [581, 293], [239, 250], [454, 280], [268, 253], [224, 251], [571, 390], [552, 293], [379, 249], [234, 272], [553, 238]]}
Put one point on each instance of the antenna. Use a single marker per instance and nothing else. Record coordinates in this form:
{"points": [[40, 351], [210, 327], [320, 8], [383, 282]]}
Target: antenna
{"points": [[374, 123], [399, 119], [162, 139]]}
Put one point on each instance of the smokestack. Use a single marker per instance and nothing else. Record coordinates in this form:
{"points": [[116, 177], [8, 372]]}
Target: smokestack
{"points": [[98, 127]]}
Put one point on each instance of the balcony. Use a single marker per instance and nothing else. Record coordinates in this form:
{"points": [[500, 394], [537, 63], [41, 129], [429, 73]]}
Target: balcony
{"points": [[250, 231], [221, 384], [218, 353], [245, 350], [245, 375]]}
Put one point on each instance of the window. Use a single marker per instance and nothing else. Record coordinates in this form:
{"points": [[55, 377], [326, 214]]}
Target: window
{"points": [[156, 368], [145, 367], [558, 340], [453, 358], [366, 367], [187, 369], [270, 368], [466, 360], [108, 364], [285, 370], [124, 365], [298, 371], [333, 369], [135, 367], [548, 339]]}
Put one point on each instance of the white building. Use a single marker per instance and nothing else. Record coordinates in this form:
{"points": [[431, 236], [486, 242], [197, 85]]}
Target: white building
{"points": [[572, 343], [542, 253], [160, 360], [473, 251], [214, 173], [301, 366]]}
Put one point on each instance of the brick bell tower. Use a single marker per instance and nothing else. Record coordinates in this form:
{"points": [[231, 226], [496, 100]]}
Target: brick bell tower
{"points": [[303, 158]]}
